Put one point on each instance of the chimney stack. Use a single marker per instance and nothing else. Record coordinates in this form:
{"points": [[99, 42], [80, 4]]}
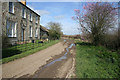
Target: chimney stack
{"points": [[23, 1]]}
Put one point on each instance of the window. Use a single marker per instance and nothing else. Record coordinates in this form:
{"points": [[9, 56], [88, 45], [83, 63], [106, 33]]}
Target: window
{"points": [[11, 29], [36, 31], [30, 31], [23, 13], [11, 7], [30, 16], [36, 19]]}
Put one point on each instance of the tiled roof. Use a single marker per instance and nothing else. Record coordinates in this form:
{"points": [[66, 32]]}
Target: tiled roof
{"points": [[43, 28]]}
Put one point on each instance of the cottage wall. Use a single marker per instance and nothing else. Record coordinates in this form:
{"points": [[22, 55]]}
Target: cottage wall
{"points": [[22, 23]]}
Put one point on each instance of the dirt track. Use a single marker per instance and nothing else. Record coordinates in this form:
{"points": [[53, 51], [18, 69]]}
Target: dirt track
{"points": [[33, 66]]}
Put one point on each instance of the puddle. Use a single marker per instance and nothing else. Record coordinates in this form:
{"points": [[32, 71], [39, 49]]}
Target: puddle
{"points": [[71, 45], [59, 59], [65, 40]]}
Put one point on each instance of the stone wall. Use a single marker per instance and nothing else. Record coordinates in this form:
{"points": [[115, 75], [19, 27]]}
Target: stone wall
{"points": [[21, 22]]}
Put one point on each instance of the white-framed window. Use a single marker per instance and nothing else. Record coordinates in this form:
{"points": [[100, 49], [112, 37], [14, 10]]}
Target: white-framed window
{"points": [[30, 31], [36, 32], [30, 16], [11, 7], [36, 18], [11, 29], [23, 12]]}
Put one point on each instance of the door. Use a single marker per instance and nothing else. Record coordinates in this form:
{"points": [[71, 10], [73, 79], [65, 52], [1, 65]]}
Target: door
{"points": [[22, 34]]}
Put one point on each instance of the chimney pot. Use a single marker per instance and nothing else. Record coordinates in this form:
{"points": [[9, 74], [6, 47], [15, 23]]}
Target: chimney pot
{"points": [[23, 2]]}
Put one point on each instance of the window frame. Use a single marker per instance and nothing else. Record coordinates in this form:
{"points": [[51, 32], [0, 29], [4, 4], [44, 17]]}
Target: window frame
{"points": [[13, 28], [36, 19], [13, 7], [30, 16], [30, 31], [24, 12]]}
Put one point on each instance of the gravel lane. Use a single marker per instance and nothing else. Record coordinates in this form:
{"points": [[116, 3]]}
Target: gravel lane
{"points": [[30, 64]]}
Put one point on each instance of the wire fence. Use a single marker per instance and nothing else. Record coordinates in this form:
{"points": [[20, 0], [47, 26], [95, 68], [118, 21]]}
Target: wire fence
{"points": [[22, 46]]}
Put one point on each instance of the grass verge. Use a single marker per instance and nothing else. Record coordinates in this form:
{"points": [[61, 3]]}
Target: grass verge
{"points": [[96, 62], [23, 54]]}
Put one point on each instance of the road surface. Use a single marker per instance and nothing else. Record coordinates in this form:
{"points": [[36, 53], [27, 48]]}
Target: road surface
{"points": [[41, 64]]}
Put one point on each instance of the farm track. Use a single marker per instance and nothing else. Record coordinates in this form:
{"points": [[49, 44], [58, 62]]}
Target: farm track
{"points": [[33, 66]]}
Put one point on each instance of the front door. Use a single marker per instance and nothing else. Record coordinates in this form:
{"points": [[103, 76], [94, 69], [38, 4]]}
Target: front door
{"points": [[22, 34]]}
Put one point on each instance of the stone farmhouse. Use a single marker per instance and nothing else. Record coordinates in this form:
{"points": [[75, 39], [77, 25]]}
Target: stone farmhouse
{"points": [[19, 22]]}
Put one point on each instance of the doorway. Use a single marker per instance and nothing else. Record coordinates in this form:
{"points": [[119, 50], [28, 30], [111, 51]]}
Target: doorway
{"points": [[22, 34]]}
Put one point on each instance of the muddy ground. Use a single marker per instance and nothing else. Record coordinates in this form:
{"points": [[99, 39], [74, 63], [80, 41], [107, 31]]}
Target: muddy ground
{"points": [[55, 67]]}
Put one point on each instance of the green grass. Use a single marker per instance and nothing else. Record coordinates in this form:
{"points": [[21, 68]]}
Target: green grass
{"points": [[96, 62], [28, 50], [19, 48]]}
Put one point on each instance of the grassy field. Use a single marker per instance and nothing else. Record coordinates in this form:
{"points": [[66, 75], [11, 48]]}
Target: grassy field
{"points": [[25, 49], [96, 62]]}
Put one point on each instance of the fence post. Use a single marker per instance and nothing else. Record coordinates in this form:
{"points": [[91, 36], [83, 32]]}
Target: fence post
{"points": [[16, 46], [22, 45], [33, 46], [25, 46], [38, 43]]}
